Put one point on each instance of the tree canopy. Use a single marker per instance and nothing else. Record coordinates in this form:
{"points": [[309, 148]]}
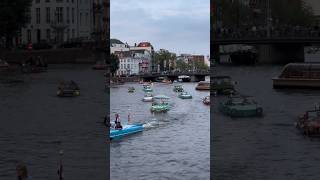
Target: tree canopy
{"points": [[164, 58], [14, 14], [114, 64]]}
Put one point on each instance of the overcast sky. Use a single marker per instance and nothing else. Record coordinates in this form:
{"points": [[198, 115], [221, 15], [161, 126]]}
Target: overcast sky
{"points": [[180, 26]]}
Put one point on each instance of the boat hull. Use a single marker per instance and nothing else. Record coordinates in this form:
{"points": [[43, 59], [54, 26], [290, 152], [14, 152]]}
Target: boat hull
{"points": [[295, 83], [125, 131], [243, 111]]}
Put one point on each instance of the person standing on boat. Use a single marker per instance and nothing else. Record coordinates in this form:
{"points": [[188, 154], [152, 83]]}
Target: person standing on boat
{"points": [[117, 122], [22, 172]]}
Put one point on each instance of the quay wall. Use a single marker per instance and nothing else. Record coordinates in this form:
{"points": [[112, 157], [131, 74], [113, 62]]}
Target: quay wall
{"points": [[53, 56]]}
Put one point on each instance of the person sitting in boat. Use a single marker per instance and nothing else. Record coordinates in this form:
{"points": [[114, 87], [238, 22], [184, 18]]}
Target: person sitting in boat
{"points": [[118, 125]]}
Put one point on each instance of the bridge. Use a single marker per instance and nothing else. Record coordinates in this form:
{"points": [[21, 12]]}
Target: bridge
{"points": [[272, 49], [195, 76]]}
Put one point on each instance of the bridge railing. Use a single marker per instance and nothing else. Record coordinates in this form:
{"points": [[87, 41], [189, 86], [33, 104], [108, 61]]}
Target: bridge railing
{"points": [[262, 33], [178, 73]]}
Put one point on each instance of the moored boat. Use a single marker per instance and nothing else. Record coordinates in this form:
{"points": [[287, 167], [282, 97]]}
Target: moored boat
{"points": [[185, 95], [125, 131], [298, 75], [241, 107], [203, 85]]}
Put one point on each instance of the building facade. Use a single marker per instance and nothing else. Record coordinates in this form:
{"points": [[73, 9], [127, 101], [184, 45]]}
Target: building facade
{"points": [[135, 59], [59, 21]]}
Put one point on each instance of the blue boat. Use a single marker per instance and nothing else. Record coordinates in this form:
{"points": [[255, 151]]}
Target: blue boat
{"points": [[127, 129]]}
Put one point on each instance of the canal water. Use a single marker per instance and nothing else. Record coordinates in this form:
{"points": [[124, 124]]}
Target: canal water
{"points": [[35, 124], [175, 145], [269, 147]]}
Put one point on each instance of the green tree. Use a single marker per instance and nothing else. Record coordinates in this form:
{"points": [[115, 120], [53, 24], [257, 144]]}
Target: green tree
{"points": [[14, 14], [163, 58], [182, 65], [200, 65], [114, 64]]}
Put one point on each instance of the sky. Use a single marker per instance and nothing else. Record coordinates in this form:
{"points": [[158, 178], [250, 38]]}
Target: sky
{"points": [[180, 26]]}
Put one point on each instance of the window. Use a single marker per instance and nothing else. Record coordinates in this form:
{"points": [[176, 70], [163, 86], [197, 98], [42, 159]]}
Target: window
{"points": [[59, 1], [68, 34], [48, 15], [80, 19], [48, 34], [128, 66], [38, 15], [29, 35], [72, 15], [73, 33], [121, 66], [47, 1], [59, 14], [87, 15], [37, 1], [68, 15]]}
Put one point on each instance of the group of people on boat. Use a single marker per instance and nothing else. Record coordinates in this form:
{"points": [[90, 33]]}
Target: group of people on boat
{"points": [[38, 62]]}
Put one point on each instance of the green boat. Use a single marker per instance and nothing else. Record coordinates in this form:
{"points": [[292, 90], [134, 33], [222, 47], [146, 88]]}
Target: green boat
{"points": [[185, 95], [147, 88], [160, 104], [222, 85], [241, 107], [178, 88], [131, 90]]}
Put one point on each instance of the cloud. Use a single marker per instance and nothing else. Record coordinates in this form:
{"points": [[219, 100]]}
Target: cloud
{"points": [[178, 25]]}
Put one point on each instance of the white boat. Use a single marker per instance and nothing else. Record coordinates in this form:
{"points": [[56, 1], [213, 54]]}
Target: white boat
{"points": [[148, 97]]}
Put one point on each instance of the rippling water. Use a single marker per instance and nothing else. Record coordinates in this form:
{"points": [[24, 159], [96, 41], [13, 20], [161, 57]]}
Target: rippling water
{"points": [[269, 147], [35, 124], [176, 147]]}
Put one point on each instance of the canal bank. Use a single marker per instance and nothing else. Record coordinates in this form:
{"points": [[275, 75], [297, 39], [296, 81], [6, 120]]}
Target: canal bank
{"points": [[52, 56]]}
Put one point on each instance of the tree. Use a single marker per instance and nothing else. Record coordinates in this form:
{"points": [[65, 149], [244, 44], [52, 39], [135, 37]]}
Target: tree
{"points": [[200, 65], [14, 15], [114, 63], [163, 58], [182, 65]]}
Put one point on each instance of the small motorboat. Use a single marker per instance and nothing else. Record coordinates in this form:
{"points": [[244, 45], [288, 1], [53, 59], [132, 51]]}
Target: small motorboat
{"points": [[147, 88], [131, 90], [178, 88], [309, 123], [185, 95], [148, 97], [160, 104], [222, 85], [68, 89], [3, 64], [125, 131], [241, 106], [206, 100]]}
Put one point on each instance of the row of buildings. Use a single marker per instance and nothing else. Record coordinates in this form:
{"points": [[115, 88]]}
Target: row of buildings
{"points": [[135, 59], [138, 59], [60, 21]]}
